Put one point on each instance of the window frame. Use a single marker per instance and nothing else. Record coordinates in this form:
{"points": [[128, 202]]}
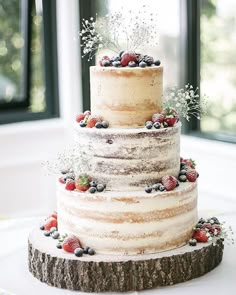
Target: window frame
{"points": [[18, 111]]}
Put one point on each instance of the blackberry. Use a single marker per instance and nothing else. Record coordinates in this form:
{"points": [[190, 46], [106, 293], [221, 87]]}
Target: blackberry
{"points": [[86, 250], [147, 59], [202, 220]]}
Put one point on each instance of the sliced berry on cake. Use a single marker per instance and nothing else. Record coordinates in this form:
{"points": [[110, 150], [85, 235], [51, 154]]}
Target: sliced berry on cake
{"points": [[50, 222], [70, 243], [82, 182], [169, 182], [70, 185], [128, 57], [201, 236], [80, 117], [171, 116], [191, 175]]}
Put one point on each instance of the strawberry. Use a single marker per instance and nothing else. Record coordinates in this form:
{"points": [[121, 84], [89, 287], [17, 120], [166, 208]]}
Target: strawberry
{"points": [[86, 113], [54, 215], [171, 116], [200, 236], [70, 185], [127, 57], [191, 175], [158, 118], [104, 58], [80, 117], [169, 182], [62, 180], [50, 222], [189, 162], [82, 182], [92, 120], [70, 244]]}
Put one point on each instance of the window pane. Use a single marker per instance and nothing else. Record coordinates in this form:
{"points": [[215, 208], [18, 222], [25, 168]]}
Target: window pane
{"points": [[218, 65], [167, 36], [11, 50]]}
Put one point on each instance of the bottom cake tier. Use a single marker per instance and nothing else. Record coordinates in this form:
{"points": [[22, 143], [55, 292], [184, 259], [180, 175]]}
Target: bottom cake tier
{"points": [[121, 273], [129, 222]]}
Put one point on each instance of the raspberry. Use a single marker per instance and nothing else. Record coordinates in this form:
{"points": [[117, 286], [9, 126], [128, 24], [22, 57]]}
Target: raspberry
{"points": [[191, 175], [200, 236], [50, 222], [70, 185], [70, 244], [92, 121], [158, 118], [169, 182], [80, 117], [127, 57]]}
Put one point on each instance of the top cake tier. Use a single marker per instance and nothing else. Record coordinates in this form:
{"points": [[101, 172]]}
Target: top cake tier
{"points": [[126, 97]]}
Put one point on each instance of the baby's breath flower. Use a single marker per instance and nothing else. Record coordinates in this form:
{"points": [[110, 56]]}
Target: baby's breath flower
{"points": [[186, 102]]}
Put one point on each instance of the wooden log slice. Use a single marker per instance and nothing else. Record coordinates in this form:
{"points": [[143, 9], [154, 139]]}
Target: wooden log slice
{"points": [[101, 273]]}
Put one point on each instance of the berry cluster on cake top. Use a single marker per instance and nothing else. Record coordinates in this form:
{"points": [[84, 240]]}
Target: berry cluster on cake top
{"points": [[129, 59]]}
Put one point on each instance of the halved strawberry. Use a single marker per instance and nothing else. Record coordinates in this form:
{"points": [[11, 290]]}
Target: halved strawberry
{"points": [[201, 236], [169, 182], [50, 222], [171, 116], [70, 244], [191, 175], [80, 117], [82, 182]]}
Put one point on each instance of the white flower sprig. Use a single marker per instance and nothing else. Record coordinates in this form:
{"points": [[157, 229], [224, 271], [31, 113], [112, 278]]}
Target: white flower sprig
{"points": [[118, 31], [186, 102]]}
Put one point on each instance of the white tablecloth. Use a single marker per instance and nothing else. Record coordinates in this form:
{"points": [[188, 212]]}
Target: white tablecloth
{"points": [[15, 278]]}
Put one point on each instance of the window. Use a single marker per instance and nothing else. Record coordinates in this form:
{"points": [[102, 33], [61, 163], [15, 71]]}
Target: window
{"points": [[196, 46], [28, 73]]}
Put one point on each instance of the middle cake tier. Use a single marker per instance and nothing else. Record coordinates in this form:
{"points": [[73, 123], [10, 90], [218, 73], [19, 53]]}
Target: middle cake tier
{"points": [[129, 159]]}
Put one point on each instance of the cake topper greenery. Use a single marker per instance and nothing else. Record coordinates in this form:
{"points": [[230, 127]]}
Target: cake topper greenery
{"points": [[119, 31]]}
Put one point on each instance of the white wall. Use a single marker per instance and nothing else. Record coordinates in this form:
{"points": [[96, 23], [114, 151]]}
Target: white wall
{"points": [[25, 189]]}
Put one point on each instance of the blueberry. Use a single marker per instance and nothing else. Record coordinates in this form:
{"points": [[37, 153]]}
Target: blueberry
{"points": [[202, 220], [156, 186], [59, 246], [115, 58], [86, 250], [182, 172], [106, 63], [161, 188], [157, 62], [132, 64], [192, 242], [148, 189], [47, 233], [148, 125], [105, 124], [93, 183], [91, 251], [64, 171], [216, 220], [98, 125], [182, 178], [165, 125], [79, 252], [52, 229], [55, 235], [100, 188], [142, 64], [116, 64], [92, 190], [70, 176], [42, 227], [157, 125], [82, 123]]}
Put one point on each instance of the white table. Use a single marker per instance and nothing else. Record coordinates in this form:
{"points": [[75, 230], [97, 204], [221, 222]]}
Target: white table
{"points": [[15, 278]]}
